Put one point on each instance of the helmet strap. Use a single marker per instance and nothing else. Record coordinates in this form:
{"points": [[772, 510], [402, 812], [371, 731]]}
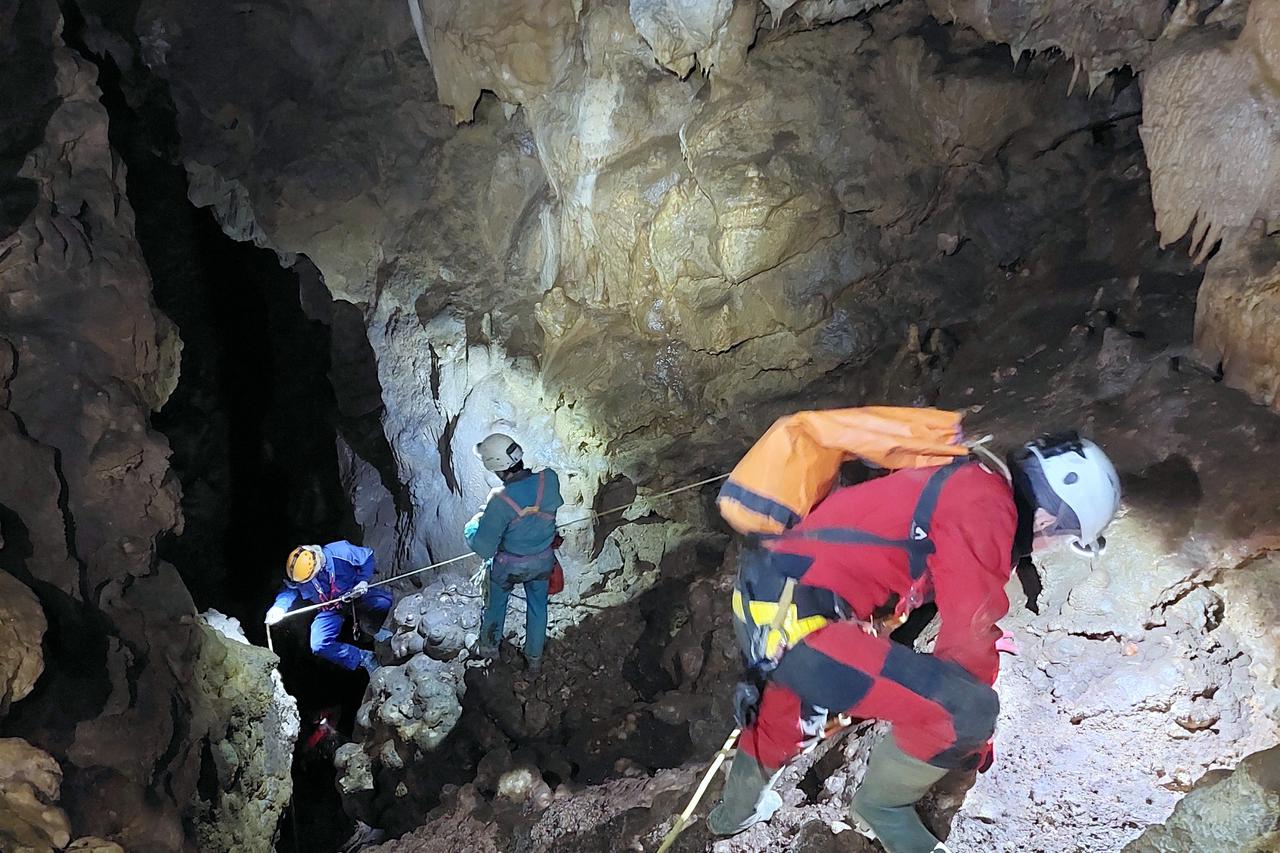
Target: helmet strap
{"points": [[1091, 553]]}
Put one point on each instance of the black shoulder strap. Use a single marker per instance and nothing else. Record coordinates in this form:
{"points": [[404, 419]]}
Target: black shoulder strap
{"points": [[918, 544], [921, 545]]}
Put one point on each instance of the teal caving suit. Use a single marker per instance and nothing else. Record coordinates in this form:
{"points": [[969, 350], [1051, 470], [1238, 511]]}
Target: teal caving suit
{"points": [[514, 533]]}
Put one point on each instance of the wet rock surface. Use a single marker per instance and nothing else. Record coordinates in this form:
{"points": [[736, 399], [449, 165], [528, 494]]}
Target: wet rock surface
{"points": [[253, 727], [658, 226]]}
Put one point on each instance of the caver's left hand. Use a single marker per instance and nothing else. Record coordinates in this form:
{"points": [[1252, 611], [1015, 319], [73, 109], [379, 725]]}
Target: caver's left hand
{"points": [[1007, 644]]}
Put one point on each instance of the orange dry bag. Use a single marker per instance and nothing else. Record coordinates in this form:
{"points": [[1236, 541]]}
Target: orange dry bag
{"points": [[795, 464]]}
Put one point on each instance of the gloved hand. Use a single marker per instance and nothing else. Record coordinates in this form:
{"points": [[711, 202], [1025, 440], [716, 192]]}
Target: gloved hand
{"points": [[746, 703], [477, 579], [359, 589], [274, 615], [987, 758], [747, 798]]}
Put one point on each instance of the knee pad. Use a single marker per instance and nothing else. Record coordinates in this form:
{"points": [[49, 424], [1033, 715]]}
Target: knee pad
{"points": [[976, 722]]}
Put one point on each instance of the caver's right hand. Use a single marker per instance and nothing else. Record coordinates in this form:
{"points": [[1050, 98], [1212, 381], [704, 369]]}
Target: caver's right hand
{"points": [[274, 615], [746, 703]]}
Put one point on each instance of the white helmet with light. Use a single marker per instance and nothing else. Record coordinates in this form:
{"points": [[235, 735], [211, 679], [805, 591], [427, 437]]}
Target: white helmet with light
{"points": [[499, 452], [1072, 479]]}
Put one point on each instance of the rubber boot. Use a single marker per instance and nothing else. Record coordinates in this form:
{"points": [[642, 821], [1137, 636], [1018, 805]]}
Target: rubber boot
{"points": [[885, 803], [747, 797]]}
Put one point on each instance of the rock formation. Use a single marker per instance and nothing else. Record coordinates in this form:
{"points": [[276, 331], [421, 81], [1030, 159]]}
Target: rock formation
{"points": [[22, 627], [87, 366], [115, 728], [1224, 812], [631, 234], [252, 728]]}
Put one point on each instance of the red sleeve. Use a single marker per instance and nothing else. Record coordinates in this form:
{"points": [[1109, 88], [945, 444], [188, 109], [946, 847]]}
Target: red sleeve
{"points": [[775, 736], [972, 531]]}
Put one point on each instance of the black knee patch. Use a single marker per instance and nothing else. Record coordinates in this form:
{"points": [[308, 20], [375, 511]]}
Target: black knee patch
{"points": [[820, 680], [972, 705]]}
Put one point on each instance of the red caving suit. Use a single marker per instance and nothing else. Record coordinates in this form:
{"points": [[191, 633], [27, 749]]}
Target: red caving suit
{"points": [[941, 705]]}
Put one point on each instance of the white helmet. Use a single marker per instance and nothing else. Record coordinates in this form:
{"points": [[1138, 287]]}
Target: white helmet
{"points": [[1074, 480], [499, 452]]}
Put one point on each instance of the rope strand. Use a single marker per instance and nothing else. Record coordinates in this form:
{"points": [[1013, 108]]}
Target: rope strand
{"points": [[590, 517]]}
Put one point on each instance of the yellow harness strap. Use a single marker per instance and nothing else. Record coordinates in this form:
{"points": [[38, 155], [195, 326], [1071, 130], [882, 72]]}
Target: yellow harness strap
{"points": [[786, 627]]}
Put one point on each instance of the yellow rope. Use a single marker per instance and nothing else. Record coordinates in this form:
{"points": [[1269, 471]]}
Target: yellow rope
{"points": [[683, 820]]}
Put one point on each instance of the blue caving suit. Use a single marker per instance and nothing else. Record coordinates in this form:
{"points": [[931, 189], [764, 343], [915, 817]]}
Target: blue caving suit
{"points": [[514, 533], [345, 565]]}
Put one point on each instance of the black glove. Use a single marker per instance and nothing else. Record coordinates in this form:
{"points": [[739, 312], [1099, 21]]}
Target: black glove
{"points": [[746, 703]]}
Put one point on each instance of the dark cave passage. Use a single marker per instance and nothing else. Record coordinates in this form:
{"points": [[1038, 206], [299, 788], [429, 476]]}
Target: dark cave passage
{"points": [[252, 425]]}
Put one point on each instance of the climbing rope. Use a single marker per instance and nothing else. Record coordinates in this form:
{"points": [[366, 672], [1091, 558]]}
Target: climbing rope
{"points": [[683, 820], [977, 446], [839, 724], [589, 517]]}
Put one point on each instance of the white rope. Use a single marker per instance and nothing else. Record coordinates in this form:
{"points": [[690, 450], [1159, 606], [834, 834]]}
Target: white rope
{"points": [[590, 517]]}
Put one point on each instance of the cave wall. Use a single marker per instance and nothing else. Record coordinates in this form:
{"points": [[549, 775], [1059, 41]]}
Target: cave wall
{"points": [[551, 225], [628, 233], [90, 357], [845, 181], [112, 732]]}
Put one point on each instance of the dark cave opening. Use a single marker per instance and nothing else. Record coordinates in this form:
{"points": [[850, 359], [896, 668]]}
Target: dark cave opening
{"points": [[252, 423]]}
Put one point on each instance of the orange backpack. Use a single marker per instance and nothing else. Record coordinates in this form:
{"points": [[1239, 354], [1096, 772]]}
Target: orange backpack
{"points": [[794, 466], [796, 463]]}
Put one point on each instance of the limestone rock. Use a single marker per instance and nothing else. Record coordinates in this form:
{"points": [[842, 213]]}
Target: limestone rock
{"points": [[1238, 320], [635, 272], [1181, 667], [814, 12], [518, 50], [253, 727], [86, 487], [90, 844], [1209, 102], [1224, 813], [1099, 35], [29, 786], [22, 627], [680, 32]]}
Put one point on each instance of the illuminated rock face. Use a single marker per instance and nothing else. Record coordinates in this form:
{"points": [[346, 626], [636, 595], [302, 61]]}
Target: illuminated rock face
{"points": [[253, 724], [1225, 811], [1209, 102], [632, 272], [669, 222], [22, 626]]}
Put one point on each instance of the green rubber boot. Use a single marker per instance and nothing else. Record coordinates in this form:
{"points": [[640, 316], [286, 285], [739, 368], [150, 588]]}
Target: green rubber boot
{"points": [[885, 803], [747, 797]]}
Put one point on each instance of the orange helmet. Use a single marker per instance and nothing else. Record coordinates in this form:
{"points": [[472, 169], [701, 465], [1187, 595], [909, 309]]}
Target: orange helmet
{"points": [[303, 563]]}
